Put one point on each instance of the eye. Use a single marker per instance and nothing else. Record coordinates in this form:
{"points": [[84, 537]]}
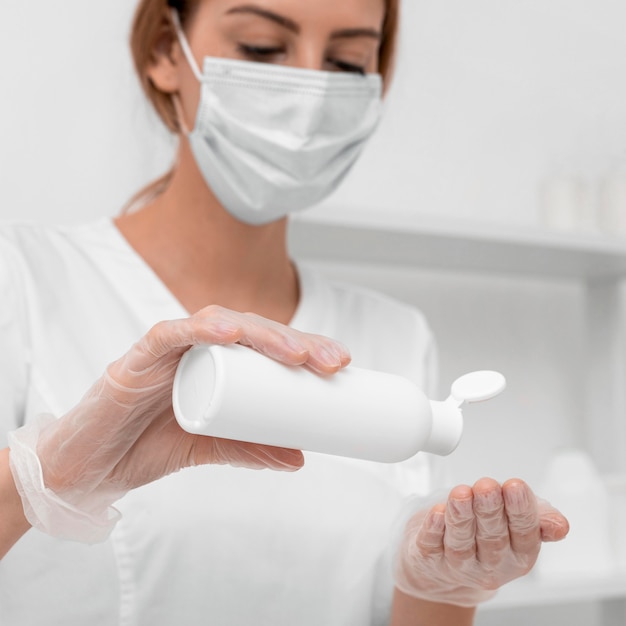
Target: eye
{"points": [[263, 54], [344, 66]]}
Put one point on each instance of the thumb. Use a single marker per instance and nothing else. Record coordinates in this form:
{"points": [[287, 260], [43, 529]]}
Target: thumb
{"points": [[249, 455], [554, 525]]}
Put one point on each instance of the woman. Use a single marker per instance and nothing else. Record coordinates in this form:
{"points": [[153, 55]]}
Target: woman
{"points": [[281, 95]]}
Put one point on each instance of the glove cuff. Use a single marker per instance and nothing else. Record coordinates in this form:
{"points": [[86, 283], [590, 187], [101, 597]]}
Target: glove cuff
{"points": [[459, 596], [43, 508]]}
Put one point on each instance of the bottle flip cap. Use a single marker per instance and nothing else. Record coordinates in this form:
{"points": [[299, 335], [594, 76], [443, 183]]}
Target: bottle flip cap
{"points": [[447, 426]]}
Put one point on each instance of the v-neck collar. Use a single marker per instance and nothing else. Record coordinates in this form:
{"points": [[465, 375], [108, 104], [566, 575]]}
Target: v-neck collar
{"points": [[142, 288], [145, 286]]}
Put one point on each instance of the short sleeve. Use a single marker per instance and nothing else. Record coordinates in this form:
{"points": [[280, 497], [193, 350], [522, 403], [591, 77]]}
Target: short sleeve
{"points": [[13, 352]]}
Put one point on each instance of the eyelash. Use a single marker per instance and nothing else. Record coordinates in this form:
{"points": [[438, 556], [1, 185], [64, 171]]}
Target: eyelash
{"points": [[348, 67], [258, 53], [264, 55]]}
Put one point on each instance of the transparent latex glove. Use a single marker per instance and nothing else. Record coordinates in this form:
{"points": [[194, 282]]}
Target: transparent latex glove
{"points": [[123, 433], [483, 537]]}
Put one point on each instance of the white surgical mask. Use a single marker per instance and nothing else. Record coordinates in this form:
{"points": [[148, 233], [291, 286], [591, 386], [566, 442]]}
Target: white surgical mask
{"points": [[271, 140]]}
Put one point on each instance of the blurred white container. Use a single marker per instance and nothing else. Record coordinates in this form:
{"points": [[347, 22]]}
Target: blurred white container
{"points": [[565, 203], [575, 487], [612, 201], [616, 486]]}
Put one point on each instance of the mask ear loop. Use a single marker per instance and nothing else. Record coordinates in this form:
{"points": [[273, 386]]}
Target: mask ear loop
{"points": [[184, 44]]}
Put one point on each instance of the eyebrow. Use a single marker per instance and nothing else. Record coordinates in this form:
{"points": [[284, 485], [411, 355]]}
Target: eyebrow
{"points": [[357, 32], [285, 22], [289, 24]]}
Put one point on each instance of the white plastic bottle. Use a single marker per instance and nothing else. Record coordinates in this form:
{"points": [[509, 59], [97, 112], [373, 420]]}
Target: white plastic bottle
{"points": [[234, 392]]}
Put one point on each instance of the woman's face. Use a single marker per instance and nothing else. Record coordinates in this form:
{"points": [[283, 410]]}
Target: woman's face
{"points": [[331, 35]]}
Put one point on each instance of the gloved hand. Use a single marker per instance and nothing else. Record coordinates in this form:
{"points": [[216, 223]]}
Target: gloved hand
{"points": [[483, 537], [123, 433]]}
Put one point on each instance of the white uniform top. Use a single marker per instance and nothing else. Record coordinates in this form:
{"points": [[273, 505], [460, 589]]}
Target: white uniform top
{"points": [[208, 545]]}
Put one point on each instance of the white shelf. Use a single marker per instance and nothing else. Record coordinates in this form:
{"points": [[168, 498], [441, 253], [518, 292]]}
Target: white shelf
{"points": [[467, 246], [532, 591]]}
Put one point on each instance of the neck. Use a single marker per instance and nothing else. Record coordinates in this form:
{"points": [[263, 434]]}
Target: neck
{"points": [[205, 256]]}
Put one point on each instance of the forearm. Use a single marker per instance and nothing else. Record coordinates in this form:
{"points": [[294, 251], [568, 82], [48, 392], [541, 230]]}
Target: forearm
{"points": [[13, 524], [409, 611]]}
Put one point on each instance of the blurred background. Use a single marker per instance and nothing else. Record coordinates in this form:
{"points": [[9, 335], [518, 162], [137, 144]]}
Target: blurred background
{"points": [[502, 162]]}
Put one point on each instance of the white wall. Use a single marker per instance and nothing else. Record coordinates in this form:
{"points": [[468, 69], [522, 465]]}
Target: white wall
{"points": [[491, 97], [76, 139]]}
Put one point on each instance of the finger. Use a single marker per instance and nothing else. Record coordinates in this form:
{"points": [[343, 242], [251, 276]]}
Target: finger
{"points": [[553, 524], [291, 346], [251, 455], [326, 356], [492, 529], [273, 340], [460, 535], [523, 515], [430, 536], [212, 325], [294, 347], [217, 325]]}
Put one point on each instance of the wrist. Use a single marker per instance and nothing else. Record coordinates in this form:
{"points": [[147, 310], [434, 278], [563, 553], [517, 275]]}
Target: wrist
{"points": [[445, 593], [89, 519], [410, 611], [14, 523]]}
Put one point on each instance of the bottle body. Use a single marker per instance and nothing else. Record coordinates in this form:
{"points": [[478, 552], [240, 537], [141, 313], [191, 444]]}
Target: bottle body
{"points": [[233, 392]]}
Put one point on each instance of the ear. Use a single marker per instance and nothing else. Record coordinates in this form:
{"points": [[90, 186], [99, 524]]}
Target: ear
{"points": [[166, 57]]}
